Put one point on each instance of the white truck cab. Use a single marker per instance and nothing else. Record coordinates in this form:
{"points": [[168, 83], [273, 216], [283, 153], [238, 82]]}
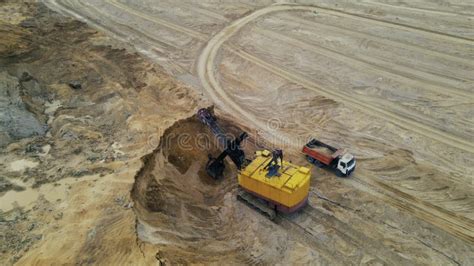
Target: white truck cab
{"points": [[346, 164]]}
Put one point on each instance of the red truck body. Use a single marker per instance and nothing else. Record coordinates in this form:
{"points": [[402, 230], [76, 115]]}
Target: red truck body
{"points": [[321, 151]]}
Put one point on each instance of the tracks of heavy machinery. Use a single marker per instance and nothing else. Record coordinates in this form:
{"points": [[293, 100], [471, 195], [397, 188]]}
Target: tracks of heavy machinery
{"points": [[338, 228], [256, 203], [418, 9], [398, 25], [444, 219], [403, 74]]}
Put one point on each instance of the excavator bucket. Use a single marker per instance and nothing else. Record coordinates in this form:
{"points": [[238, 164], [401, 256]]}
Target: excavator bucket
{"points": [[215, 168]]}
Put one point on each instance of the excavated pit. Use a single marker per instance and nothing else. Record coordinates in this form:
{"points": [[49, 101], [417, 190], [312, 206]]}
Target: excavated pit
{"points": [[174, 177], [177, 203]]}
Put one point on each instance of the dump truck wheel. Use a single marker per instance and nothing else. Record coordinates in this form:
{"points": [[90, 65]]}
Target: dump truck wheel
{"points": [[318, 163]]}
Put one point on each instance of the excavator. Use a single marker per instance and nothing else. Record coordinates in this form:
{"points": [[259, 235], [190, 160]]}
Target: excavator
{"points": [[266, 182]]}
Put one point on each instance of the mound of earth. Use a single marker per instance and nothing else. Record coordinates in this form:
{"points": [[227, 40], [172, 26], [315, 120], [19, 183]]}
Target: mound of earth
{"points": [[192, 216]]}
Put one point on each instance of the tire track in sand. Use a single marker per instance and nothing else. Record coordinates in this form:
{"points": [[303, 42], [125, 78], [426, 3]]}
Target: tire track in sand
{"points": [[361, 34], [448, 221], [150, 39], [382, 104], [418, 9], [357, 34], [157, 47], [371, 19], [165, 23], [348, 100]]}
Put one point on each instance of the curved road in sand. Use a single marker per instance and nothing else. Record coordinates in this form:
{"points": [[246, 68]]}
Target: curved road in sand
{"points": [[206, 74]]}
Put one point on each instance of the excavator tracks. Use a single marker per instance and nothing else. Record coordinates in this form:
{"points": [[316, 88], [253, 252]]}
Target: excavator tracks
{"points": [[257, 204]]}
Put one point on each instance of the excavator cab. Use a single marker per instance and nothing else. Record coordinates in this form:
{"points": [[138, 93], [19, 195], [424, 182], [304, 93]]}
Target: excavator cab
{"points": [[274, 165]]}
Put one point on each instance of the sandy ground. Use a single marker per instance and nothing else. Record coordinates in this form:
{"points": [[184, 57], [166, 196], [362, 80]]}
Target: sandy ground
{"points": [[389, 80]]}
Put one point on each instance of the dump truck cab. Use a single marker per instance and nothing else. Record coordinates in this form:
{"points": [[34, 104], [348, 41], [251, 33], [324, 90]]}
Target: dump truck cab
{"points": [[346, 164]]}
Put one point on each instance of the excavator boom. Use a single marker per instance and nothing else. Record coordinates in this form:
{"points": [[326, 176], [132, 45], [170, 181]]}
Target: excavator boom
{"points": [[231, 147]]}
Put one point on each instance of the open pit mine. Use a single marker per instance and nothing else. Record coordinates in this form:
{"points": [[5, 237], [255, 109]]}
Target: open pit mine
{"points": [[221, 132]]}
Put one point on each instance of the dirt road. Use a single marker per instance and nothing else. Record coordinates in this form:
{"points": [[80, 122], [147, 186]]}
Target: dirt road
{"points": [[390, 81]]}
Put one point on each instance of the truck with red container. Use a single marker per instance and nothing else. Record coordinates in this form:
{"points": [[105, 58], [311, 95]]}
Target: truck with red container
{"points": [[324, 155]]}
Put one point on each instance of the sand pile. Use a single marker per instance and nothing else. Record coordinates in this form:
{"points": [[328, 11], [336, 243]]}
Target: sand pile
{"points": [[188, 213]]}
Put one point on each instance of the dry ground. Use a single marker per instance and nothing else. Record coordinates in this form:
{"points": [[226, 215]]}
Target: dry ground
{"points": [[390, 80]]}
